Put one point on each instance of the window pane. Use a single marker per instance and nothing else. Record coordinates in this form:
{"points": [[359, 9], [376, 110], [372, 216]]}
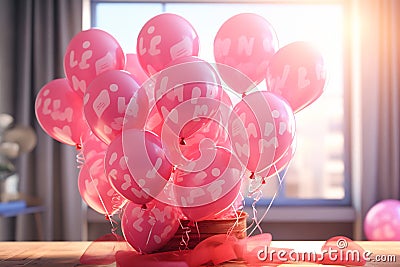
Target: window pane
{"points": [[317, 170], [124, 20]]}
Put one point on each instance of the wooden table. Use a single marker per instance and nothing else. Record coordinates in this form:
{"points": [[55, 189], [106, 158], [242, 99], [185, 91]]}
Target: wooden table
{"points": [[68, 253]]}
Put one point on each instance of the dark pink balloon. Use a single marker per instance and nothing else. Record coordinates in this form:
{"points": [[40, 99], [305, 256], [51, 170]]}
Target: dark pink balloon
{"points": [[89, 54], [149, 228], [95, 188], [133, 67], [297, 73], [202, 194], [163, 39], [382, 222], [59, 111], [146, 160], [92, 146], [245, 43], [119, 175], [106, 102]]}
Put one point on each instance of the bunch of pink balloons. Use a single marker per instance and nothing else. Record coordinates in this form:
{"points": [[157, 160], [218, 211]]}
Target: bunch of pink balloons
{"points": [[159, 135]]}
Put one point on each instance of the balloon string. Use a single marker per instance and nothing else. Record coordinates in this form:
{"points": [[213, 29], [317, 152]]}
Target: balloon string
{"points": [[152, 219], [197, 229], [236, 223], [114, 225], [185, 237], [253, 206], [107, 214], [80, 159], [270, 203]]}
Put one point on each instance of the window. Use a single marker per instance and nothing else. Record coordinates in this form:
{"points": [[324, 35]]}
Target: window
{"points": [[318, 174]]}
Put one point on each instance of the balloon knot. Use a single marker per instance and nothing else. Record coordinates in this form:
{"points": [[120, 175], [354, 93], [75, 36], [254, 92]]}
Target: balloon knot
{"points": [[144, 207], [78, 146], [252, 176], [264, 181], [243, 94], [182, 141]]}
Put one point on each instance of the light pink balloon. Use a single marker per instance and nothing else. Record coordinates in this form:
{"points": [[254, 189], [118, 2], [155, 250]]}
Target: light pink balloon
{"points": [[163, 39], [92, 146], [187, 93], [106, 102], [213, 131], [119, 175], [146, 160], [149, 229], [216, 130], [209, 191], [297, 73], [245, 43], [89, 54], [59, 111], [133, 67], [95, 189], [382, 222], [269, 129], [154, 121]]}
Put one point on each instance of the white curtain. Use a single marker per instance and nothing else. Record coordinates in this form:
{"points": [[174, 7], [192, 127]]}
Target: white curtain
{"points": [[375, 104]]}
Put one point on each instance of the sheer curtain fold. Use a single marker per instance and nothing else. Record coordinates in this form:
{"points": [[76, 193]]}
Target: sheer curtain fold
{"points": [[380, 103], [389, 105], [42, 30]]}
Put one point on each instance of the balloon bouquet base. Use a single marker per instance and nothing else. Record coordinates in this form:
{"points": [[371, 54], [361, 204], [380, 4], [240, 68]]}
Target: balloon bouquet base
{"points": [[190, 234]]}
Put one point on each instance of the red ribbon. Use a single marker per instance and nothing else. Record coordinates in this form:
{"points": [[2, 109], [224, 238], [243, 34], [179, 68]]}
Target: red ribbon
{"points": [[254, 250]]}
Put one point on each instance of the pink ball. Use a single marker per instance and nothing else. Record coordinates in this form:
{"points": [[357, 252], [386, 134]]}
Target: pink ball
{"points": [[382, 222]]}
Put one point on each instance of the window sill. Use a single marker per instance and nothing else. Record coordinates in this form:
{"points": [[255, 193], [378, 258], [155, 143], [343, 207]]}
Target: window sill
{"points": [[306, 214]]}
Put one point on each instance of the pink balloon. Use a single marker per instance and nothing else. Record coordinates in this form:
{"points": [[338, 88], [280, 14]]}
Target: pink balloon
{"points": [[269, 126], [281, 163], [245, 43], [89, 54], [382, 222], [216, 130], [106, 102], [146, 160], [163, 39], [92, 146], [95, 189], [212, 189], [297, 73], [154, 121], [187, 93], [59, 112], [133, 67], [119, 175], [149, 229], [213, 131]]}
